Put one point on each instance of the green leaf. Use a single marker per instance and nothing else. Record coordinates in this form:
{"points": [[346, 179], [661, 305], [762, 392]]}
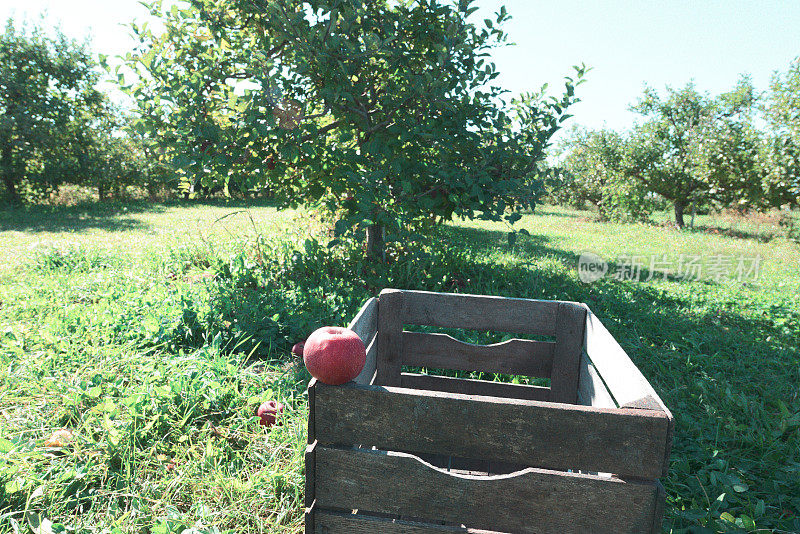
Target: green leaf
{"points": [[512, 238], [6, 446]]}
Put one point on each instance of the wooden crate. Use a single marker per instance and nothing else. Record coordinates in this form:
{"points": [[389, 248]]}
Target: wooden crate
{"points": [[395, 452]]}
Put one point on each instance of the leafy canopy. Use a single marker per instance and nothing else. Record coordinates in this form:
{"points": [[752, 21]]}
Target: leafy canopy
{"points": [[783, 153], [48, 105], [384, 111], [595, 169], [692, 147]]}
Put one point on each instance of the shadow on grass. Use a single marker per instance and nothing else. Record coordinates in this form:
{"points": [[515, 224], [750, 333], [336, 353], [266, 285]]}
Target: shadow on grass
{"points": [[763, 236], [726, 364], [550, 212], [721, 371], [110, 216]]}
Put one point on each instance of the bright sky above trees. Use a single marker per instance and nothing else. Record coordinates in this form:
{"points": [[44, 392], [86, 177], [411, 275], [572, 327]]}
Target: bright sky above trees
{"points": [[628, 42]]}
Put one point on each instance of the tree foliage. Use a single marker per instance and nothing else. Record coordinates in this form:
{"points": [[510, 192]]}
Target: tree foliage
{"points": [[48, 104], [693, 148], [782, 153], [385, 112], [595, 169]]}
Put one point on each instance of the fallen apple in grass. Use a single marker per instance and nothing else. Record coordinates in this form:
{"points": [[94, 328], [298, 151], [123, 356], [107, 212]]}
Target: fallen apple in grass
{"points": [[269, 412], [334, 355], [297, 349]]}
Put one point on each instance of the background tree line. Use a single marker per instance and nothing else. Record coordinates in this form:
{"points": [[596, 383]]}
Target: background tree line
{"points": [[56, 126], [386, 115], [692, 151]]}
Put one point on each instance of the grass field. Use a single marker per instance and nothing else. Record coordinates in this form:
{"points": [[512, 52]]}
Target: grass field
{"points": [[151, 332]]}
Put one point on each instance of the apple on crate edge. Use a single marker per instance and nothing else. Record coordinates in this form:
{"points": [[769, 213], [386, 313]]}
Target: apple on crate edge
{"points": [[334, 355]]}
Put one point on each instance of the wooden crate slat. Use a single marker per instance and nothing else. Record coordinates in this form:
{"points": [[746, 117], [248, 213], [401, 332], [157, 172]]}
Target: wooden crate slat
{"points": [[570, 326], [468, 386], [478, 312], [368, 372], [390, 329], [365, 323], [341, 523], [534, 500], [591, 390], [625, 382], [513, 357], [556, 436]]}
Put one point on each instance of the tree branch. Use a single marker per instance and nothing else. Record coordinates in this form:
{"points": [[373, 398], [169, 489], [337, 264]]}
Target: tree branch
{"points": [[325, 129]]}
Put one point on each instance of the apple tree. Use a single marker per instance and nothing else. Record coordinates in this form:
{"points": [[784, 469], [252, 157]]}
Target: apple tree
{"points": [[384, 112], [782, 154], [595, 163], [692, 148], [49, 105]]}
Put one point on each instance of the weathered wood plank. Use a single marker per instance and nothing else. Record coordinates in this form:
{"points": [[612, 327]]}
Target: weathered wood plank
{"points": [[556, 436], [591, 390], [310, 488], [532, 501], [342, 523], [346, 523], [624, 380], [478, 312], [512, 357], [310, 473], [571, 322], [390, 341], [468, 386], [365, 323], [370, 364]]}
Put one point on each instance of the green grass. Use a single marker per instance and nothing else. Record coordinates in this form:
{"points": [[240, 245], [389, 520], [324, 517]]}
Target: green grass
{"points": [[153, 331]]}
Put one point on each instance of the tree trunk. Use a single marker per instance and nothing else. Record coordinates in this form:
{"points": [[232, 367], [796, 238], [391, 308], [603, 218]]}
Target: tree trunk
{"points": [[8, 177], [679, 208], [376, 247], [102, 193], [694, 212], [13, 195]]}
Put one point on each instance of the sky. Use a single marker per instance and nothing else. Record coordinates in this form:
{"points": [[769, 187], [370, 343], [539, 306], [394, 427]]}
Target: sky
{"points": [[627, 43]]}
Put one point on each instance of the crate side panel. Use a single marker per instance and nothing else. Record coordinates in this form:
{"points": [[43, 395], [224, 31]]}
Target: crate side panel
{"points": [[554, 436], [341, 523], [479, 312], [534, 500], [468, 386], [591, 390], [624, 380], [513, 357], [365, 323], [367, 374]]}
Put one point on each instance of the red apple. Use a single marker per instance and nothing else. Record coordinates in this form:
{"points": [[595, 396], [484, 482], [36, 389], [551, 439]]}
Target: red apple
{"points": [[269, 412], [334, 355], [297, 349]]}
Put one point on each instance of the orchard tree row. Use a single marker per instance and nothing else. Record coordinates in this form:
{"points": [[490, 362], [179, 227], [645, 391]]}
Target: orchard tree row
{"points": [[738, 150], [56, 127]]}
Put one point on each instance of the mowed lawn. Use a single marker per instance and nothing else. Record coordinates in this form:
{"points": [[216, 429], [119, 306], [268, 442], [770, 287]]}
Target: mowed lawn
{"points": [[151, 332]]}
